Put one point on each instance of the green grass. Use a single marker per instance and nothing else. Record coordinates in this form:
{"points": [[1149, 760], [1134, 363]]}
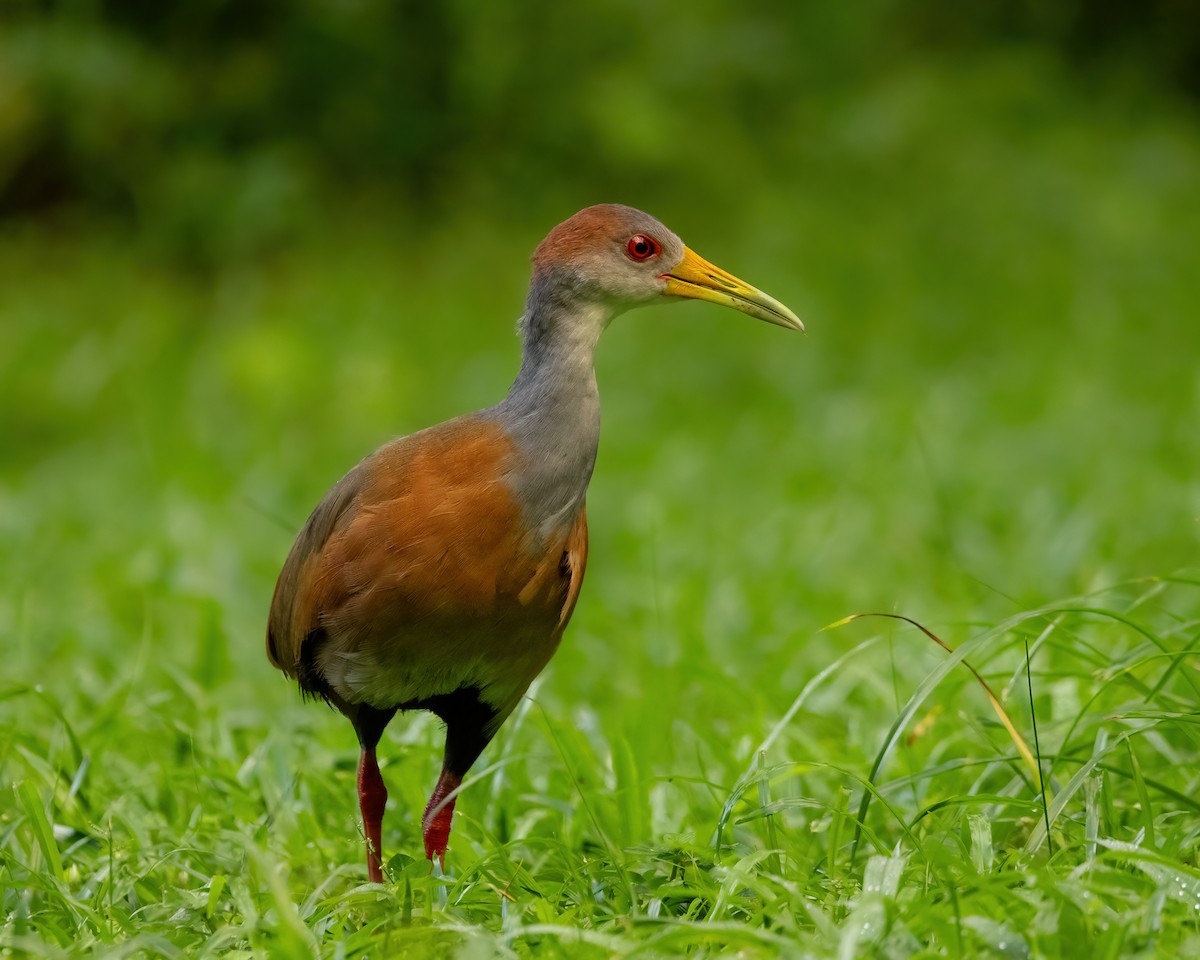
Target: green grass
{"points": [[990, 428]]}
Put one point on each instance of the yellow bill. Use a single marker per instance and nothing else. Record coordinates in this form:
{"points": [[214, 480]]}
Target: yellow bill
{"points": [[698, 279]]}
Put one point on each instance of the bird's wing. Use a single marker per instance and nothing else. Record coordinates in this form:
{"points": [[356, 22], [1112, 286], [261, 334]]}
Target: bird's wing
{"points": [[282, 643], [418, 575]]}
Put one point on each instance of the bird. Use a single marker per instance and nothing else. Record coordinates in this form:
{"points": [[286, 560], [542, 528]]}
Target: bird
{"points": [[440, 573]]}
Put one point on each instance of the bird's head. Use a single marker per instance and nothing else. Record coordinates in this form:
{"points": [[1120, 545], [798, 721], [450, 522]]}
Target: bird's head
{"points": [[619, 257]]}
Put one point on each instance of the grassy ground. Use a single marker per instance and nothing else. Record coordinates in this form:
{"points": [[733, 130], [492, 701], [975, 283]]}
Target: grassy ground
{"points": [[991, 428]]}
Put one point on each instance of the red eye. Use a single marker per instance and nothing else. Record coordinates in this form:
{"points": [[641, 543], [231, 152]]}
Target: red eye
{"points": [[642, 247]]}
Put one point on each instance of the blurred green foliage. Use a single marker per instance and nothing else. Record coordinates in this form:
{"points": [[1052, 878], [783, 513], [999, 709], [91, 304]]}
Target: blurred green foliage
{"points": [[223, 128]]}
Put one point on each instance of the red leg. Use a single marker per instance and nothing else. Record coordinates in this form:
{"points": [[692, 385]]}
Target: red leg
{"points": [[435, 825], [372, 799]]}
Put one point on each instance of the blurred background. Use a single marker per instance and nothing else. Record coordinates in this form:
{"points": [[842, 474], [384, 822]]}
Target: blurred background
{"points": [[223, 129], [241, 244]]}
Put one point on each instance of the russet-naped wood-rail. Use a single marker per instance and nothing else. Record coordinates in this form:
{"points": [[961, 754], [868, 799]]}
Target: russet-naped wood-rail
{"points": [[440, 573]]}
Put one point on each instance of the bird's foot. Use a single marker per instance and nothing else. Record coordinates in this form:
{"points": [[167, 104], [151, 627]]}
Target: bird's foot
{"points": [[435, 825]]}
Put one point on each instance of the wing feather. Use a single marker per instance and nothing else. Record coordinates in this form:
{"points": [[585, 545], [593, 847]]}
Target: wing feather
{"points": [[421, 576]]}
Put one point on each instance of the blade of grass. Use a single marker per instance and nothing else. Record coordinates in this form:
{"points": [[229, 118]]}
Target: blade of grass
{"points": [[1037, 744], [39, 823], [1143, 795]]}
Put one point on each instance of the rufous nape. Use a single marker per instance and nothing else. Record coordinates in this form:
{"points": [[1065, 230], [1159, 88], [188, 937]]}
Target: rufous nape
{"points": [[440, 573]]}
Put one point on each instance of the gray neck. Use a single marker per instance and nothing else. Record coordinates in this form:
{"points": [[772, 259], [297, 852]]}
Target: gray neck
{"points": [[552, 411]]}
